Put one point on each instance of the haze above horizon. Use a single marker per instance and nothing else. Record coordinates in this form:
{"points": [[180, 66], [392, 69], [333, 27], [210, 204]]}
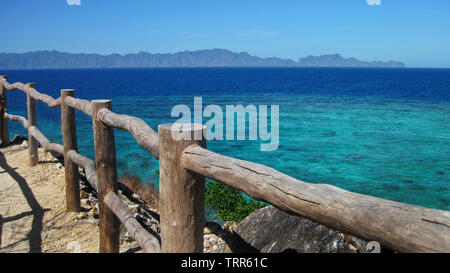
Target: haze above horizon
{"points": [[414, 32]]}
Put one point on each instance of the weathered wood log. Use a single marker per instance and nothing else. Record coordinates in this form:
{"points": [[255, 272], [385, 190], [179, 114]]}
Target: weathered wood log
{"points": [[147, 241], [20, 119], [87, 164], [142, 133], [403, 227], [34, 131], [3, 120], [79, 104], [55, 148], [51, 102], [32, 143], [105, 159], [182, 192], [69, 134]]}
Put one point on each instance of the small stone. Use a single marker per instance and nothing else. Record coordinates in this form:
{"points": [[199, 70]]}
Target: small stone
{"points": [[353, 248], [229, 225], [24, 144], [59, 165], [206, 230], [84, 195], [213, 241], [215, 248], [84, 202], [92, 213], [94, 222], [92, 201], [134, 208], [81, 215], [206, 243]]}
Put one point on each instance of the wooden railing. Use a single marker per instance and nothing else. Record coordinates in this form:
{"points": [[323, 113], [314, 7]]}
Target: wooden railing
{"points": [[184, 164]]}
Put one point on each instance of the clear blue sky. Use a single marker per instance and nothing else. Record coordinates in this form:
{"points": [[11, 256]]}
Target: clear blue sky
{"points": [[416, 32]]}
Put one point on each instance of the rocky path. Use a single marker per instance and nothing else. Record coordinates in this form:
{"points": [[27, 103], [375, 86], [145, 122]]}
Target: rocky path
{"points": [[33, 217], [32, 207]]}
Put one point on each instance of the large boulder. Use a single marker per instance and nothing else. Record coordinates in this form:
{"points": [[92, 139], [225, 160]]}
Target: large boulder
{"points": [[270, 230]]}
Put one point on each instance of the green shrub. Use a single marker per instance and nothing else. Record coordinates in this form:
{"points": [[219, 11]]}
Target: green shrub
{"points": [[228, 203]]}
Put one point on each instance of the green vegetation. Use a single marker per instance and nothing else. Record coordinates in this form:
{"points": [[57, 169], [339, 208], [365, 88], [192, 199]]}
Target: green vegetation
{"points": [[228, 203]]}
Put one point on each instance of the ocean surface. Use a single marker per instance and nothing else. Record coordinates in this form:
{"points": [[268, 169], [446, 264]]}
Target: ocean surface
{"points": [[381, 132]]}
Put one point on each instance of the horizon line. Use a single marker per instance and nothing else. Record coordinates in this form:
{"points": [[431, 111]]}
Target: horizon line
{"points": [[231, 67]]}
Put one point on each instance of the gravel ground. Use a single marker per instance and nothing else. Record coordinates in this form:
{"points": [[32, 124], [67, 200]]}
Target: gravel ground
{"points": [[33, 217]]}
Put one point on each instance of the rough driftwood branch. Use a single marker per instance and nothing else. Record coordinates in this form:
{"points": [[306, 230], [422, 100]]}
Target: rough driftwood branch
{"points": [[34, 131], [20, 119], [148, 242], [142, 133], [87, 164], [51, 102], [79, 104], [403, 227]]}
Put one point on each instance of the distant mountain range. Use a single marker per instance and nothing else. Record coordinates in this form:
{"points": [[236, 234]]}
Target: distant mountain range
{"points": [[200, 58]]}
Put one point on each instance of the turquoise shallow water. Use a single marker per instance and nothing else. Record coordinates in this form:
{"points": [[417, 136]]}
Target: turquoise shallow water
{"points": [[383, 133]]}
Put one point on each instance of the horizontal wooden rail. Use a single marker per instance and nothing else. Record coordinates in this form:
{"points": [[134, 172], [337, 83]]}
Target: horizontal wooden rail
{"points": [[20, 119], [79, 104], [87, 164], [51, 102], [34, 131], [147, 241], [402, 227], [145, 136]]}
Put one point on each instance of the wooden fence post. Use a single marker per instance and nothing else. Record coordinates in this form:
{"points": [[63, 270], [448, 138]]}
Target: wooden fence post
{"points": [[4, 121], [105, 158], [69, 134], [32, 142], [182, 192]]}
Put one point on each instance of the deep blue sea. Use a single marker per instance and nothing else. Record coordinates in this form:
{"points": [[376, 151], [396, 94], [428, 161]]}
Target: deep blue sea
{"points": [[381, 132]]}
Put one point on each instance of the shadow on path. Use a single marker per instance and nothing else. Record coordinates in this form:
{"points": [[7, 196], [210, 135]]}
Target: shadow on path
{"points": [[34, 236]]}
